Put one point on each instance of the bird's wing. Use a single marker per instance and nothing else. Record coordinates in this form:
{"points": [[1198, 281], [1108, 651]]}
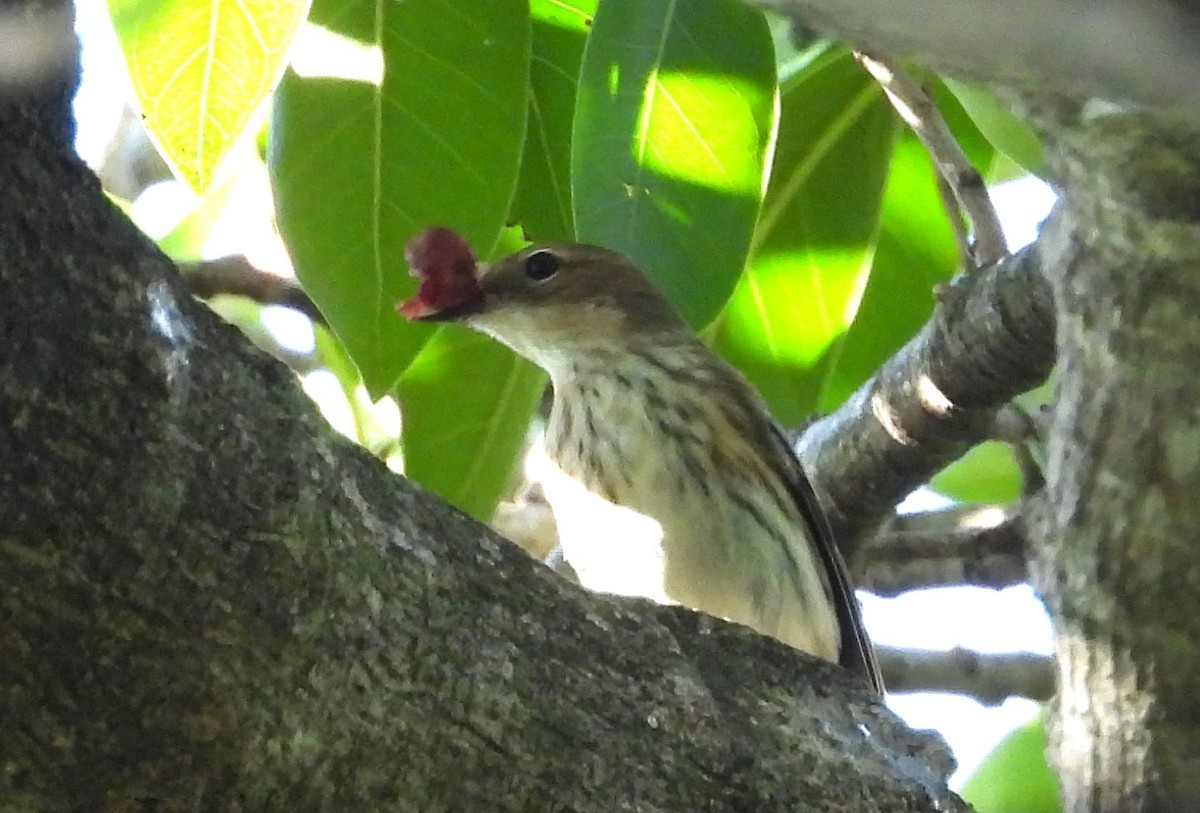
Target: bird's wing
{"points": [[857, 653]]}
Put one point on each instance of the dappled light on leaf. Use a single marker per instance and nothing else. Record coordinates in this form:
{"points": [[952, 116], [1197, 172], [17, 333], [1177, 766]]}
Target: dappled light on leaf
{"points": [[672, 143], [814, 243], [200, 71], [321, 52], [675, 113]]}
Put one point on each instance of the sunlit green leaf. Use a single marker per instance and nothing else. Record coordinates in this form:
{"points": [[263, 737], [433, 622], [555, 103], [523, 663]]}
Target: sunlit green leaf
{"points": [[986, 474], [1015, 775], [674, 118], [542, 205], [399, 116], [816, 236], [914, 252], [201, 69]]}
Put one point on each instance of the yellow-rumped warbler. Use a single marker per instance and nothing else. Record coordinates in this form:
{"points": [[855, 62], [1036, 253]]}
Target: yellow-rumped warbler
{"points": [[647, 418]]}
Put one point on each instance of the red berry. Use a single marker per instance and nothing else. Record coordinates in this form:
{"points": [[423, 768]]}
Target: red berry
{"points": [[443, 261]]}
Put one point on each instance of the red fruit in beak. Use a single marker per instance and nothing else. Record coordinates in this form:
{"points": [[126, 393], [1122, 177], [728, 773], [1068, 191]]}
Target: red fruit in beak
{"points": [[444, 263]]}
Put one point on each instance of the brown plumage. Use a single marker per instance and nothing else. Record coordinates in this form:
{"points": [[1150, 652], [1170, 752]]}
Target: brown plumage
{"points": [[647, 419]]}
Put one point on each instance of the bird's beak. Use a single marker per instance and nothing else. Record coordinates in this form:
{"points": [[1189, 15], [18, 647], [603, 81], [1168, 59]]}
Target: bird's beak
{"points": [[455, 313]]}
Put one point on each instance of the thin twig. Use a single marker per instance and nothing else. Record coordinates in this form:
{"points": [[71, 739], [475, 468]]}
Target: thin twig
{"points": [[958, 224], [1024, 433], [236, 275], [919, 112]]}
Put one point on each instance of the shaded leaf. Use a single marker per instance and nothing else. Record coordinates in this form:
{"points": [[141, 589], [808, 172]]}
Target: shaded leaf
{"points": [[673, 122], [1005, 131], [979, 151], [200, 71], [466, 403], [816, 236], [542, 205], [415, 117]]}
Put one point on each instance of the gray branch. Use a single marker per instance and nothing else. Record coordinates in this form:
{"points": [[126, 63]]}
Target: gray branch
{"points": [[237, 275], [990, 339], [987, 678], [982, 547], [1144, 53]]}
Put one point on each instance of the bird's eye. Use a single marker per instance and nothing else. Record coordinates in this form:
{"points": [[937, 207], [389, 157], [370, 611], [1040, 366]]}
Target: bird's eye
{"points": [[541, 266]]}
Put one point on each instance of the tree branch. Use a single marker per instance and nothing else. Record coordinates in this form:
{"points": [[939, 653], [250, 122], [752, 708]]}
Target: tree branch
{"points": [[1145, 53], [984, 547], [990, 339], [969, 195], [988, 678], [1113, 532], [237, 275]]}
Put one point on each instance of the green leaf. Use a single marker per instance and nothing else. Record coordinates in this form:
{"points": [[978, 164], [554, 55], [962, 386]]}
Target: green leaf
{"points": [[335, 358], [542, 205], [1006, 132], [416, 117], [674, 118], [979, 151], [201, 69], [1015, 775], [814, 242], [986, 474], [466, 403], [914, 252]]}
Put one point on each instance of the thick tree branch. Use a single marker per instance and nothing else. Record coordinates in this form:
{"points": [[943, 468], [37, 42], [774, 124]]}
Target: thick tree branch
{"points": [[987, 678], [990, 339], [1146, 53]]}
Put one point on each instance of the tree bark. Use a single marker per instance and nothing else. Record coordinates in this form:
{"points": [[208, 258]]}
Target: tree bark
{"points": [[212, 602], [1145, 53], [1114, 534], [988, 341]]}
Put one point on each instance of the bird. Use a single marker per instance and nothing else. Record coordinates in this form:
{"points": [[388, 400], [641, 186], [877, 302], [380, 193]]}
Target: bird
{"points": [[710, 507]]}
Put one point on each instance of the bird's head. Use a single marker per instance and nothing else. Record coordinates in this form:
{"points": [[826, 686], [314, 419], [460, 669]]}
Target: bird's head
{"points": [[549, 302]]}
